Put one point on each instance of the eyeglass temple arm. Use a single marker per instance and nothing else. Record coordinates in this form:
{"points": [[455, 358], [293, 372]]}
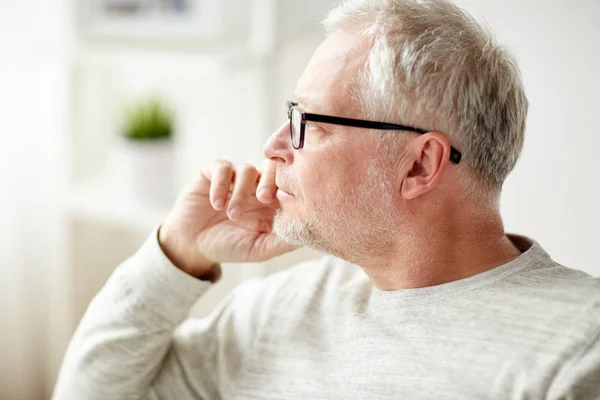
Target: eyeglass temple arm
{"points": [[455, 155]]}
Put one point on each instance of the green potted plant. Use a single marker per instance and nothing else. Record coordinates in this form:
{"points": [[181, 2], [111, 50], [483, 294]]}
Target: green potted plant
{"points": [[148, 120], [143, 163]]}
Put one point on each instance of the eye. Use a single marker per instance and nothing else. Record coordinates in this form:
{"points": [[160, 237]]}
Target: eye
{"points": [[316, 128], [316, 134]]}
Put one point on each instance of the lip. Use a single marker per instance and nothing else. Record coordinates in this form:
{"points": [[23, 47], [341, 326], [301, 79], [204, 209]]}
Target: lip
{"points": [[282, 194], [280, 188]]}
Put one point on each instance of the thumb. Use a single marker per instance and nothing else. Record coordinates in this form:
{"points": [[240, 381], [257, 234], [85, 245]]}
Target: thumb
{"points": [[270, 245]]}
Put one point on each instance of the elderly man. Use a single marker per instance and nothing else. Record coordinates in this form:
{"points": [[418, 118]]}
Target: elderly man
{"points": [[408, 120]]}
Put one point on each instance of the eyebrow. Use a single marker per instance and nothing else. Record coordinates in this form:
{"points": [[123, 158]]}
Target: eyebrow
{"points": [[306, 104]]}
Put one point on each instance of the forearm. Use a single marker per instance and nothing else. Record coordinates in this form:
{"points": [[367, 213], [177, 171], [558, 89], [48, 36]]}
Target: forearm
{"points": [[120, 344]]}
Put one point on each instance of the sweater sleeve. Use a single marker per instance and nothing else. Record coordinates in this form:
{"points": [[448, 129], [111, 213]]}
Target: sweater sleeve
{"points": [[131, 343]]}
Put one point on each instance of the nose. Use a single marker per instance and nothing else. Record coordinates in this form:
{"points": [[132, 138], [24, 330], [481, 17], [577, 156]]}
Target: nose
{"points": [[278, 146]]}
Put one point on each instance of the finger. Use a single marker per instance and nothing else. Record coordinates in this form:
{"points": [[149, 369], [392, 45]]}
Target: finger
{"points": [[269, 245], [221, 175], [244, 186], [267, 188]]}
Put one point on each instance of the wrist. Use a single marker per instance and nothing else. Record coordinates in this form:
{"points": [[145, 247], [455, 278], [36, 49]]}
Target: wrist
{"points": [[181, 257]]}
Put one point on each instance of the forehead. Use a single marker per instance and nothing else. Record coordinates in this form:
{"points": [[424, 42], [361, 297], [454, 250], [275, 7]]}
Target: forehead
{"points": [[326, 83]]}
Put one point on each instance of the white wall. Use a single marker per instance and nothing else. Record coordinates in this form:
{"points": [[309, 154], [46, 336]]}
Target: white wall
{"points": [[33, 95], [553, 195], [227, 104]]}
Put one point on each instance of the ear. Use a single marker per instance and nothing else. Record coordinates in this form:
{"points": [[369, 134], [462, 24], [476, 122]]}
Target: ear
{"points": [[430, 153]]}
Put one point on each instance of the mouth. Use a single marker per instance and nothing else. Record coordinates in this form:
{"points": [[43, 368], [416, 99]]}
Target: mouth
{"points": [[281, 186], [283, 195]]}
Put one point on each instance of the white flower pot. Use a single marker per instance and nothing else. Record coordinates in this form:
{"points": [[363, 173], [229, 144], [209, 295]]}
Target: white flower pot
{"points": [[142, 171]]}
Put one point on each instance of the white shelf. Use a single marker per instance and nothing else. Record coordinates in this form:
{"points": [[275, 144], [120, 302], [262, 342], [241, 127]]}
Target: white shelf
{"points": [[97, 201]]}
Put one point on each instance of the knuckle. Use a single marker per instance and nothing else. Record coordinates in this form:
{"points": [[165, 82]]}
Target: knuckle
{"points": [[222, 163], [222, 166], [221, 187], [247, 170]]}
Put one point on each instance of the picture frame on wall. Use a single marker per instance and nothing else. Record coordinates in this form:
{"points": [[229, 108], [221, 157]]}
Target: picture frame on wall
{"points": [[197, 20]]}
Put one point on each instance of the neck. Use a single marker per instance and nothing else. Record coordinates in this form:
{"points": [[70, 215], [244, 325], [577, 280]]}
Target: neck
{"points": [[446, 247]]}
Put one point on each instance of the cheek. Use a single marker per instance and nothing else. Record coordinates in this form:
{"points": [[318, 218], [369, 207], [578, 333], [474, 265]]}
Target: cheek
{"points": [[328, 175], [311, 180], [326, 183]]}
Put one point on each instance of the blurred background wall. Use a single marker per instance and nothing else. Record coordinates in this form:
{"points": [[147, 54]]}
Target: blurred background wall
{"points": [[67, 72]]}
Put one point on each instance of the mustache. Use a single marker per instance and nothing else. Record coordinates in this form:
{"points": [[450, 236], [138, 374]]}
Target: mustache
{"points": [[285, 185]]}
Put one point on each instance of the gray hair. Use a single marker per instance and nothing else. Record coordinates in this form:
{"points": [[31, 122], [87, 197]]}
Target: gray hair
{"points": [[431, 64]]}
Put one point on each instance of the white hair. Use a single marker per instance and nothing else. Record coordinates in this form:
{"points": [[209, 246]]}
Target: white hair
{"points": [[432, 65]]}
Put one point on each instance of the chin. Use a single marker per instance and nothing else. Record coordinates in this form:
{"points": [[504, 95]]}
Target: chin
{"points": [[291, 230]]}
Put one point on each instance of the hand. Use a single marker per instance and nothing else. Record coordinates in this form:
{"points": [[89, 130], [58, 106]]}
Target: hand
{"points": [[218, 218]]}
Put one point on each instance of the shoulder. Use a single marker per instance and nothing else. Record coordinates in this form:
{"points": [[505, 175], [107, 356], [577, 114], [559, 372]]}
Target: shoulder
{"points": [[576, 301], [543, 279], [557, 294], [559, 284]]}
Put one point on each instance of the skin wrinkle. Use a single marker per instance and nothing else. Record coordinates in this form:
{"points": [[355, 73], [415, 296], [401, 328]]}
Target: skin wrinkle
{"points": [[351, 188], [477, 77], [392, 204]]}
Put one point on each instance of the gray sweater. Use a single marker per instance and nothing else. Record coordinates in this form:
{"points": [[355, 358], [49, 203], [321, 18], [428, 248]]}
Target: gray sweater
{"points": [[529, 329]]}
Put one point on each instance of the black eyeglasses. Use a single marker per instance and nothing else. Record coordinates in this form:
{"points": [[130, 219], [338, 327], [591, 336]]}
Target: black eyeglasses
{"points": [[298, 120]]}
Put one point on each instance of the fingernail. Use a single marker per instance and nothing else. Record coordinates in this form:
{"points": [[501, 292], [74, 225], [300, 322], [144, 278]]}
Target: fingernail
{"points": [[265, 193], [219, 203], [235, 213]]}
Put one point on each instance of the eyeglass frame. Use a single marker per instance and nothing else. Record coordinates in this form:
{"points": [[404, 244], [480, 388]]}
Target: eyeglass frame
{"points": [[455, 155]]}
